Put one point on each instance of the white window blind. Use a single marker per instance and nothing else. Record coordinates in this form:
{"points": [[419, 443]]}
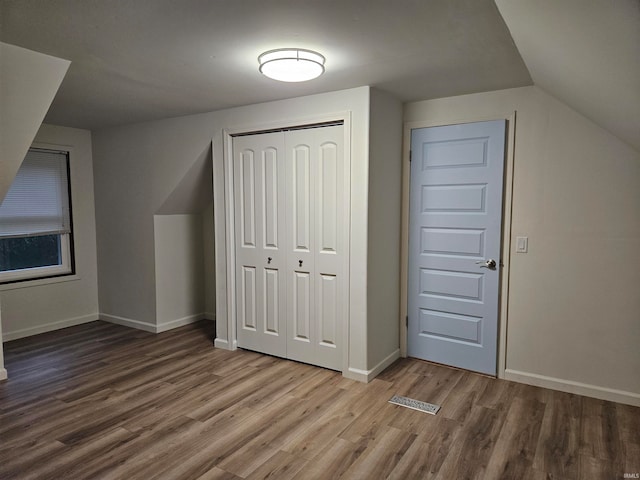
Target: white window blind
{"points": [[38, 201]]}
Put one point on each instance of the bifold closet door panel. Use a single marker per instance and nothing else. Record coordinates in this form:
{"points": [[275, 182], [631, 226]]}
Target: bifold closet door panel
{"points": [[315, 212], [259, 198]]}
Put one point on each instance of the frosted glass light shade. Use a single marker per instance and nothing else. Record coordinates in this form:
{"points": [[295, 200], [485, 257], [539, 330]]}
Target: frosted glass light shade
{"points": [[291, 64]]}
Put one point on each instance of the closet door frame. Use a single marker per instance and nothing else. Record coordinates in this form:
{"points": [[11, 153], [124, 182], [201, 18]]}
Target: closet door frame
{"points": [[229, 209]]}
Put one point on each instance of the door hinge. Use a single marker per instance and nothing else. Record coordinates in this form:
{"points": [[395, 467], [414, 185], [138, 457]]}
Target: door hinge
{"points": [[406, 321], [410, 154]]}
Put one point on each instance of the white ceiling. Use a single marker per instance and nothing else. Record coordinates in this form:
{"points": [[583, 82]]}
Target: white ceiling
{"points": [[136, 60]]}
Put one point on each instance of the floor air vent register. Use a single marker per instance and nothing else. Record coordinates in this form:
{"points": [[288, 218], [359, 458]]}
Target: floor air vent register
{"points": [[415, 404]]}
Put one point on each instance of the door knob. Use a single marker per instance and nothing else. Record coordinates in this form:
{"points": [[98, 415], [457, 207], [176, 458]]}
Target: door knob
{"points": [[490, 264], [268, 259], [299, 263]]}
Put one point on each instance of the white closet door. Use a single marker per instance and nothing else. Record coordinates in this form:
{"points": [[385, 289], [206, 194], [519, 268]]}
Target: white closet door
{"points": [[316, 257], [259, 196]]}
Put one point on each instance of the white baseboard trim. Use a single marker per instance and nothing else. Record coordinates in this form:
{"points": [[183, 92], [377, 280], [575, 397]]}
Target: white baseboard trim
{"points": [[179, 322], [3, 374], [367, 375], [221, 343], [128, 322], [569, 386], [224, 344], [151, 327], [48, 327]]}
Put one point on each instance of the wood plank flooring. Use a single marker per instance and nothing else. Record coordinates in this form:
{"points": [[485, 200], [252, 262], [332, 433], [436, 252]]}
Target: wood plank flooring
{"points": [[101, 401]]}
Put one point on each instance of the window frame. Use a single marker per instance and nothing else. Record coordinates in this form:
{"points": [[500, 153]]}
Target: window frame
{"points": [[67, 265]]}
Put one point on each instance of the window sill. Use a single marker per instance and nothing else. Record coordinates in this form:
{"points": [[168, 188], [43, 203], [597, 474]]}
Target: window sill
{"points": [[39, 282]]}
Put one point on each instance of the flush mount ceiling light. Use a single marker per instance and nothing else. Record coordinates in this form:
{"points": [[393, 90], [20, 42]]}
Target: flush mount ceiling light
{"points": [[291, 64]]}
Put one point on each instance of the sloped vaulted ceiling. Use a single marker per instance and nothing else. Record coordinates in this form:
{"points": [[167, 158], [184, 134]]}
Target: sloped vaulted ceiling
{"points": [[586, 53], [28, 84]]}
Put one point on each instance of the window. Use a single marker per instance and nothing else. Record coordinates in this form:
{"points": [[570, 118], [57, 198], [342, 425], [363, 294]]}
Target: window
{"points": [[35, 219]]}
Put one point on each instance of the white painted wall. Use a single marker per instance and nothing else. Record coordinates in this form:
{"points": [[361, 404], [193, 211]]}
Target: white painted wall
{"points": [[136, 170], [573, 321], [180, 281], [209, 263], [3, 371], [383, 262], [139, 169], [38, 306], [28, 82]]}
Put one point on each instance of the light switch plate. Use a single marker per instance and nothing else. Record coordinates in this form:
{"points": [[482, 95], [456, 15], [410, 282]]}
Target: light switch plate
{"points": [[522, 244]]}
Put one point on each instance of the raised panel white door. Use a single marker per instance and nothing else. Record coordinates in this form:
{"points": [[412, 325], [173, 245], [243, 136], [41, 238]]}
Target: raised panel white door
{"points": [[259, 197], [291, 259], [455, 229], [316, 256]]}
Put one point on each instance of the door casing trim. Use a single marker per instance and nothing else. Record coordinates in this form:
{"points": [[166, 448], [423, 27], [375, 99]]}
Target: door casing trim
{"points": [[507, 198]]}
